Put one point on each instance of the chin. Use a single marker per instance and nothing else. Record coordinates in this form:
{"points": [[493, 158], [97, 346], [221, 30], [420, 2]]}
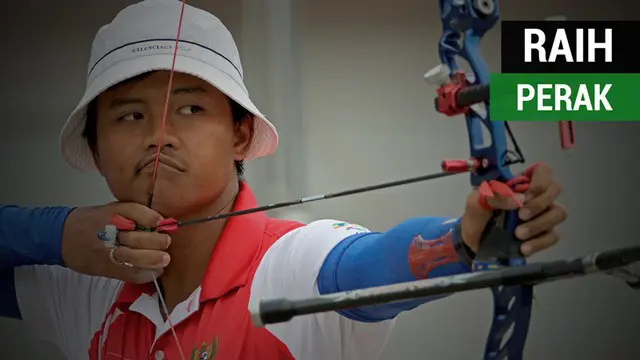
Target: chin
{"points": [[168, 200], [168, 208], [178, 208]]}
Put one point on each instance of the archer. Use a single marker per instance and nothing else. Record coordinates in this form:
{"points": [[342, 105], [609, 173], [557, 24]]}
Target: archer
{"points": [[210, 273]]}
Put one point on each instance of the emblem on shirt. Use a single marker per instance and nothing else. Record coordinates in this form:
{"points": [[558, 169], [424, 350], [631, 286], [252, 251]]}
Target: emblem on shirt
{"points": [[205, 351], [349, 226]]}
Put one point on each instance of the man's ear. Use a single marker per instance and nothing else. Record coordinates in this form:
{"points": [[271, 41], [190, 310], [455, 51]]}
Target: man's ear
{"points": [[243, 136]]}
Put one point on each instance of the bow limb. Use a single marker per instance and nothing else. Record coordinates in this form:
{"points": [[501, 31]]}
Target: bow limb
{"points": [[464, 23]]}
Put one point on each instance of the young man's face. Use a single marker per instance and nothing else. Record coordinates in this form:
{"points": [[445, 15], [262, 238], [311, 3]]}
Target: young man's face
{"points": [[199, 146]]}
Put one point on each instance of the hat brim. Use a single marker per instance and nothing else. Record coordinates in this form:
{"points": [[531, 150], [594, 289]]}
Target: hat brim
{"points": [[74, 147]]}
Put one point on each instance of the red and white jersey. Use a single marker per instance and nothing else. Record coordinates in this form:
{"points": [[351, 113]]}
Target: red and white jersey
{"points": [[256, 258]]}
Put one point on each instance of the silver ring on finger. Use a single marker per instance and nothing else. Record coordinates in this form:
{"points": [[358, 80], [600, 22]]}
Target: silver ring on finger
{"points": [[112, 257]]}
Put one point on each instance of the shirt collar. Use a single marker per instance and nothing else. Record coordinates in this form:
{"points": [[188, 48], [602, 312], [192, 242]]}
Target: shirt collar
{"points": [[234, 254], [236, 250]]}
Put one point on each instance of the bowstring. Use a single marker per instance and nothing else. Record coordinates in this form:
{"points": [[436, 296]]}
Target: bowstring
{"points": [[155, 172]]}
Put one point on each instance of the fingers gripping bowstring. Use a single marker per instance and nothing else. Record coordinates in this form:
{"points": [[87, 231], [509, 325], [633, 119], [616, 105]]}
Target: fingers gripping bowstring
{"points": [[155, 171]]}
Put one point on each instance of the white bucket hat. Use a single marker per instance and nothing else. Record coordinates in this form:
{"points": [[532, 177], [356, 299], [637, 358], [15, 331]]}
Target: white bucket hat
{"points": [[141, 38]]}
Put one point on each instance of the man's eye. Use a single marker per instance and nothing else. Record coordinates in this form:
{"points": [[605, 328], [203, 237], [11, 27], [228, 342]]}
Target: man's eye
{"points": [[132, 117], [190, 110]]}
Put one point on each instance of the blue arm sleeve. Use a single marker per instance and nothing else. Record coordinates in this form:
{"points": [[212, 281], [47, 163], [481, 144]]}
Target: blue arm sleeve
{"points": [[28, 236], [415, 249]]}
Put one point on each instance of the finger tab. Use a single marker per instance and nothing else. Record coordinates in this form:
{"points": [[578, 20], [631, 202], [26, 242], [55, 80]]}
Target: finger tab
{"points": [[109, 236]]}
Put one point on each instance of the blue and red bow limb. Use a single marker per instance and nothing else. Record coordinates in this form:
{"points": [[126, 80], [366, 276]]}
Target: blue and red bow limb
{"points": [[464, 24]]}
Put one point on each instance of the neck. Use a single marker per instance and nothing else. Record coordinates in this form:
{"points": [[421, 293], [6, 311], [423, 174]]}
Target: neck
{"points": [[191, 249]]}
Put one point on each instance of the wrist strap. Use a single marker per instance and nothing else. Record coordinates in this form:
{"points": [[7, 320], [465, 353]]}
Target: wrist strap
{"points": [[464, 251]]}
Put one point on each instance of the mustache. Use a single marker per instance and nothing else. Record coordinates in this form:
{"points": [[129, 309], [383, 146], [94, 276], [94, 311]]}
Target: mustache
{"points": [[163, 158]]}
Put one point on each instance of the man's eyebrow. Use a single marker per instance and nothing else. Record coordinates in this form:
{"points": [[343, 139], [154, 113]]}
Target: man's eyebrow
{"points": [[189, 90], [184, 90], [124, 101]]}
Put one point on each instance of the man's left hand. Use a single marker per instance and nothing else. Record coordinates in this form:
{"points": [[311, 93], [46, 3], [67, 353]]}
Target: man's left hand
{"points": [[540, 213]]}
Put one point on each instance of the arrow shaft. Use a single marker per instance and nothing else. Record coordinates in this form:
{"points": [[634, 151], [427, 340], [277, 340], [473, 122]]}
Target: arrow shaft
{"points": [[326, 196]]}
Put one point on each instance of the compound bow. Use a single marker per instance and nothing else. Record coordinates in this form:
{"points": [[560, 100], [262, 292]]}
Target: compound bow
{"points": [[498, 263]]}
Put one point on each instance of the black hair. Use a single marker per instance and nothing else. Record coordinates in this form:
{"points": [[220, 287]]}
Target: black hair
{"points": [[90, 132]]}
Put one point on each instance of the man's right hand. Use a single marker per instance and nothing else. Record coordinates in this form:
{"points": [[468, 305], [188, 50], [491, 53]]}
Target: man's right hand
{"points": [[83, 252]]}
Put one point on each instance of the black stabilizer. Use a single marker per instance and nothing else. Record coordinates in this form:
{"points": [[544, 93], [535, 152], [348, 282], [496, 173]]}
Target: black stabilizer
{"points": [[276, 311], [619, 257]]}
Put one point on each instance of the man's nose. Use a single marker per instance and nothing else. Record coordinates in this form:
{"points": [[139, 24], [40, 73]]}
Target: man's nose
{"points": [[161, 133]]}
